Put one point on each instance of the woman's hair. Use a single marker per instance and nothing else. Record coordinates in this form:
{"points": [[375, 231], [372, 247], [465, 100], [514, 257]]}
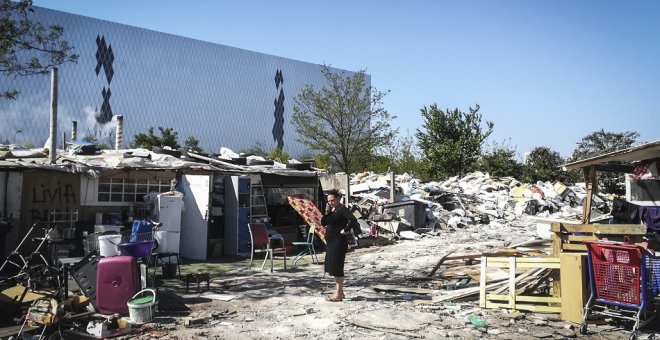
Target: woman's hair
{"points": [[334, 192]]}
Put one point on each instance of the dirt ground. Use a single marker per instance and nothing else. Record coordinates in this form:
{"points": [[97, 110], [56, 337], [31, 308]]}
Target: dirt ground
{"points": [[290, 304]]}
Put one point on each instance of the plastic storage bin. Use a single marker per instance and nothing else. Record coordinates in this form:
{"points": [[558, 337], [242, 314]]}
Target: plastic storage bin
{"points": [[116, 282]]}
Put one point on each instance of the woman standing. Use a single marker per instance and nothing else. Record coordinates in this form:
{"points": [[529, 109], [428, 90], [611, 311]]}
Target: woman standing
{"points": [[338, 221]]}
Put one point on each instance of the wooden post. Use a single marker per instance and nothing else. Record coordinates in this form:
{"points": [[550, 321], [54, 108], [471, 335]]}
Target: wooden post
{"points": [[591, 180], [392, 186]]}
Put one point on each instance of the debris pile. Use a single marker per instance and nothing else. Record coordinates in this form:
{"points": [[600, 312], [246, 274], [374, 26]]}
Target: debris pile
{"points": [[474, 198]]}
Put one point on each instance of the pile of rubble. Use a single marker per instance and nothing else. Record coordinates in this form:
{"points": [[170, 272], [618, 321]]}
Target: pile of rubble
{"points": [[474, 198]]}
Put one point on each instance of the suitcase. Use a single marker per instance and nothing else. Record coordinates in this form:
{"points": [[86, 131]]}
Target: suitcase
{"points": [[116, 283]]}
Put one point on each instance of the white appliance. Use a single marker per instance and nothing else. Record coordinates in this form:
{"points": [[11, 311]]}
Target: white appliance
{"points": [[168, 241], [169, 207], [194, 236]]}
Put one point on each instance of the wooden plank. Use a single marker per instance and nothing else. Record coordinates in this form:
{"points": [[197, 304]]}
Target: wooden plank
{"points": [[512, 282], [524, 277], [541, 276], [519, 260], [528, 307], [597, 228], [448, 257], [525, 298], [400, 289], [514, 298], [575, 286], [465, 292], [13, 330], [574, 247], [548, 262], [524, 265], [556, 244], [581, 238], [482, 283]]}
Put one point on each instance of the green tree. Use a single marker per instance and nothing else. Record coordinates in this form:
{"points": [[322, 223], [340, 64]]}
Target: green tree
{"points": [[168, 137], [279, 155], [451, 140], [598, 143], [257, 150], [344, 120], [401, 156], [321, 160], [500, 161], [192, 144], [601, 142], [543, 164], [27, 47]]}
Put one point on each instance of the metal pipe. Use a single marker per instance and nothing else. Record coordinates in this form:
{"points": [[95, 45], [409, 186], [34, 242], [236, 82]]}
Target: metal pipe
{"points": [[119, 132], [74, 130], [52, 151]]}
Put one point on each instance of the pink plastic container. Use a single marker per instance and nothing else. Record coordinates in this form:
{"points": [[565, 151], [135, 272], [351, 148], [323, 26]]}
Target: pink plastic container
{"points": [[116, 283]]}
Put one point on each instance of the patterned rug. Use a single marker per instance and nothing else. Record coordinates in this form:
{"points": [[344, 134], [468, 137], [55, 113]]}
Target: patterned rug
{"points": [[308, 211]]}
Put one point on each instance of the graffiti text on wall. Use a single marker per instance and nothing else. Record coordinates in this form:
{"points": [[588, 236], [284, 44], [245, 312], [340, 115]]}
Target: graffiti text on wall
{"points": [[61, 194]]}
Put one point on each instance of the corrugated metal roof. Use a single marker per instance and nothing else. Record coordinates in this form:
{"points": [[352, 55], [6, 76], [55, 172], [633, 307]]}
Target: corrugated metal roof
{"points": [[141, 159], [638, 153]]}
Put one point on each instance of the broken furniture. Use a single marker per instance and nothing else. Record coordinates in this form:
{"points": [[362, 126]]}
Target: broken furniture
{"points": [[32, 271], [538, 270], [574, 285], [261, 243], [308, 247], [413, 212], [571, 237], [198, 278], [624, 280], [84, 274]]}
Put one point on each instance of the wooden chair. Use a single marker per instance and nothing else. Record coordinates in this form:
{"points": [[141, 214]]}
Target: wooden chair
{"points": [[261, 243]]}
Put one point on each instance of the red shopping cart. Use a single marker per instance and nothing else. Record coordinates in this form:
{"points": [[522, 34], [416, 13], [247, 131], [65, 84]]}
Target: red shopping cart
{"points": [[624, 279]]}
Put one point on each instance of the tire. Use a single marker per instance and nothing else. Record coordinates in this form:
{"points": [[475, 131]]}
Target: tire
{"points": [[583, 329]]}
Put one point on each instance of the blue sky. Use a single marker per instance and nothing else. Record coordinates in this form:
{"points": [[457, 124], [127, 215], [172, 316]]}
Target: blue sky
{"points": [[547, 73]]}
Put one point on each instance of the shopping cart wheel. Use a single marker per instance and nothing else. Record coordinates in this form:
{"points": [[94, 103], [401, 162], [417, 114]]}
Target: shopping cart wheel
{"points": [[583, 328]]}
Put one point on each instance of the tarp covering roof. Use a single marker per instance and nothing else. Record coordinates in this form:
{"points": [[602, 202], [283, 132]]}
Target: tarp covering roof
{"points": [[638, 153], [134, 159]]}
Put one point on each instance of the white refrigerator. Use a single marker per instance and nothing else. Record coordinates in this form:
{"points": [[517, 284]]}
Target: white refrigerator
{"points": [[169, 210]]}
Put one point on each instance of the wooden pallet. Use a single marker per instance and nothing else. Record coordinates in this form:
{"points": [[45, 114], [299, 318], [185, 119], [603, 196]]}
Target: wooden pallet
{"points": [[571, 237], [510, 294]]}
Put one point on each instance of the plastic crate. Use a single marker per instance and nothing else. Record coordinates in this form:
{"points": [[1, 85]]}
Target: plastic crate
{"points": [[91, 243], [128, 237], [618, 275], [652, 264]]}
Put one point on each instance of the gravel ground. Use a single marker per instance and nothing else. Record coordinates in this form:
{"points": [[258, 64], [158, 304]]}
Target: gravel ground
{"points": [[290, 304]]}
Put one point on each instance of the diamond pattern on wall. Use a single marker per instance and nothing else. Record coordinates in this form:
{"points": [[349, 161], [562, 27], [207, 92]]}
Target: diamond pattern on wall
{"points": [[221, 95]]}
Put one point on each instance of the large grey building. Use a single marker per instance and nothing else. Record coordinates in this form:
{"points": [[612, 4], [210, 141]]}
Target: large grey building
{"points": [[221, 95]]}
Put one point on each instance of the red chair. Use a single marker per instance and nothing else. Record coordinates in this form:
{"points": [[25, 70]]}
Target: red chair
{"points": [[261, 243]]}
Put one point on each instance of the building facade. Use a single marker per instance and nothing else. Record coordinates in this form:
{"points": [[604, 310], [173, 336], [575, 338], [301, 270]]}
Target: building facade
{"points": [[221, 95]]}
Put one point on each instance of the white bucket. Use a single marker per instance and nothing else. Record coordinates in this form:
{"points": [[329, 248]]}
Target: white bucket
{"points": [[108, 245], [142, 312]]}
